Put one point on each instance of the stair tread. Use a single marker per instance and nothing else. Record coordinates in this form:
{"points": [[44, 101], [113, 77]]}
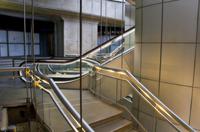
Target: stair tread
{"points": [[94, 110], [113, 125]]}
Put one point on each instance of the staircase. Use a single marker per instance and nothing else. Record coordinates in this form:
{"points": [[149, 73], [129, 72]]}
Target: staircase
{"points": [[101, 116]]}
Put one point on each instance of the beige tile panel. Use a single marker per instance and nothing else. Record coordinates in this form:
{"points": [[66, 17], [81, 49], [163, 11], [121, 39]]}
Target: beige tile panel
{"points": [[147, 121], [150, 61], [177, 98], [153, 87], [151, 31], [178, 63], [138, 25], [180, 20], [197, 70], [163, 126], [137, 60], [195, 114]]}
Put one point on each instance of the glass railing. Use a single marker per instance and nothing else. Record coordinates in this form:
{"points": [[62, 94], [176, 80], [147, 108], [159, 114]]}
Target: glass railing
{"points": [[98, 55], [47, 109], [53, 112], [55, 109], [128, 92], [64, 72]]}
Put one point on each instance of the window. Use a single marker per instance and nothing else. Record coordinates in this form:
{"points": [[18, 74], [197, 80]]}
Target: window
{"points": [[12, 43]]}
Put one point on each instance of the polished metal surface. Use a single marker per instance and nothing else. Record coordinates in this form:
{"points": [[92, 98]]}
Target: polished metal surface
{"points": [[65, 102], [59, 108], [12, 69], [158, 105]]}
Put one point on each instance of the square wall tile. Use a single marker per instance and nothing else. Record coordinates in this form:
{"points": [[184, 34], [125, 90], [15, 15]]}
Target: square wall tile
{"points": [[177, 98], [150, 2], [198, 34], [151, 31], [137, 60], [150, 61], [195, 114], [138, 25], [164, 126], [197, 69], [147, 121], [151, 85], [180, 21], [178, 63]]}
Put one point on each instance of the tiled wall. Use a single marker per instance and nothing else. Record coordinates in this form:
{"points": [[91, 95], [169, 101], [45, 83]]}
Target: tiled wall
{"points": [[167, 56]]}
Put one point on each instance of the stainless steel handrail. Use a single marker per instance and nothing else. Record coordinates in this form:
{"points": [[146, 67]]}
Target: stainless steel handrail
{"points": [[12, 69], [65, 102], [145, 93], [60, 109], [60, 95], [88, 53]]}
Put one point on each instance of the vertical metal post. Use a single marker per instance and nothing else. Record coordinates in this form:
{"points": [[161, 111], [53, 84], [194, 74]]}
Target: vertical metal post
{"points": [[80, 50], [32, 41], [122, 31], [13, 65], [25, 56], [116, 89], [95, 82]]}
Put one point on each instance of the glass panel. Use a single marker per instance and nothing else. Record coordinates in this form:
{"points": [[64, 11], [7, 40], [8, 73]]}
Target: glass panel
{"points": [[3, 36], [126, 95], [37, 49], [15, 37], [28, 49], [3, 50], [16, 49], [49, 113], [37, 38]]}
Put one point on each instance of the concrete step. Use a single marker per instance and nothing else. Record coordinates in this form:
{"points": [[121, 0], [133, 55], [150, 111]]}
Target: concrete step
{"points": [[103, 117], [116, 125]]}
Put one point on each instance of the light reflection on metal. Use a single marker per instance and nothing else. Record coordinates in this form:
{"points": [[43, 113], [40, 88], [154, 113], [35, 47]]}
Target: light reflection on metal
{"points": [[37, 84], [37, 80], [146, 94], [60, 108]]}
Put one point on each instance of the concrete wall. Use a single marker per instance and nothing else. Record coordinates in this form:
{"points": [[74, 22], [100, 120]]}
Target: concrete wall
{"points": [[89, 6], [167, 58], [108, 9], [72, 38]]}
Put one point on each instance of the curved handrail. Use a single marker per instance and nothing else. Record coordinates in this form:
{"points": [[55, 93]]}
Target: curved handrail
{"points": [[18, 69], [89, 62], [65, 101], [158, 105], [92, 51], [60, 109], [92, 63]]}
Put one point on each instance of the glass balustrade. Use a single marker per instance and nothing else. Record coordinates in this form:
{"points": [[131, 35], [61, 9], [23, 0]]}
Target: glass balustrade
{"points": [[122, 88], [98, 56], [48, 112]]}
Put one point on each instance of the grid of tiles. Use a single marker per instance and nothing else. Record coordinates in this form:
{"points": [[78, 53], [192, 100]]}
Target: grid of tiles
{"points": [[167, 56]]}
